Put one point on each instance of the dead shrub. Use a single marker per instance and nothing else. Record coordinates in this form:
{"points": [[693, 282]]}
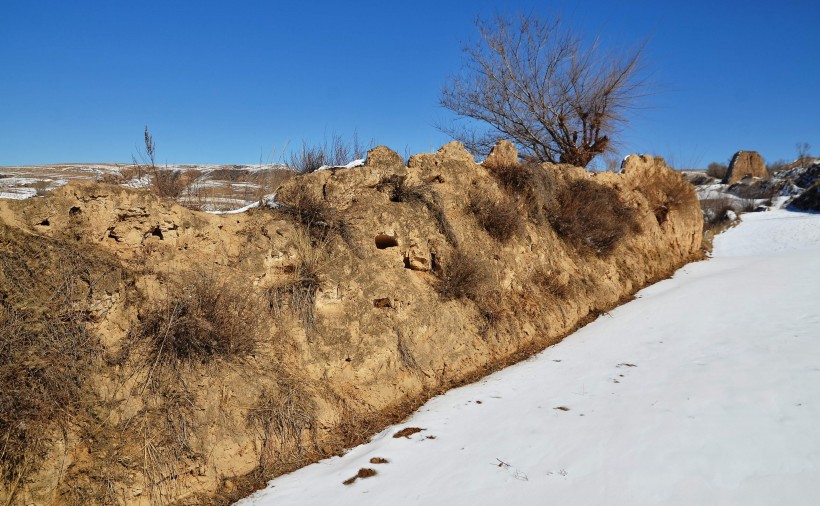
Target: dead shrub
{"points": [[335, 152], [530, 184], [171, 183], [308, 159], [499, 217], [202, 320], [518, 179], [665, 192], [495, 309], [44, 363], [717, 170], [592, 216], [718, 215], [717, 212], [463, 276], [167, 183]]}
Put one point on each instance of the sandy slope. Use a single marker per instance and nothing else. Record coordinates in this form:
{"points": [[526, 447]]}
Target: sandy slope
{"points": [[705, 390]]}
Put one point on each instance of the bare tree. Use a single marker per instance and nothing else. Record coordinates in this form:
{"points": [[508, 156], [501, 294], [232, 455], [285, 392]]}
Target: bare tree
{"points": [[802, 153], [537, 83]]}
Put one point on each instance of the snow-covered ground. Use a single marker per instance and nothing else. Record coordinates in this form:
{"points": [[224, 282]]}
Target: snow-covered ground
{"points": [[704, 390]]}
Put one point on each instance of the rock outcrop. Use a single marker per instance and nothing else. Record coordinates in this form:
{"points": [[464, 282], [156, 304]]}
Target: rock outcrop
{"points": [[745, 164], [503, 154], [371, 289]]}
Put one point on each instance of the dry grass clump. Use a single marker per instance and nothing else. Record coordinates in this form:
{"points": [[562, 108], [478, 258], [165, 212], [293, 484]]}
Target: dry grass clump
{"points": [[124, 175], [281, 419], [667, 191], [402, 190], [48, 294], [549, 285], [204, 319], [717, 170], [593, 216], [44, 362], [532, 185], [462, 277], [499, 217], [718, 215], [298, 293], [321, 219]]}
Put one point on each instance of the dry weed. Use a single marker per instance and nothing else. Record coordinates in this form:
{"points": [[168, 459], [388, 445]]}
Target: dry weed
{"points": [[336, 152], [170, 183], [402, 190], [549, 285]]}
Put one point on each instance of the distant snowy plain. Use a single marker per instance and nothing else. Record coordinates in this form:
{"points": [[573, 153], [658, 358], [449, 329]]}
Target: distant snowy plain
{"points": [[703, 390]]}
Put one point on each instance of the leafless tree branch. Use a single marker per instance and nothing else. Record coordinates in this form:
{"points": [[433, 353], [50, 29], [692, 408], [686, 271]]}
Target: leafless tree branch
{"points": [[536, 83]]}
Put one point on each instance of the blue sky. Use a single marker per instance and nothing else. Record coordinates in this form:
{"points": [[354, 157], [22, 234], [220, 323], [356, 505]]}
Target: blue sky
{"points": [[229, 82]]}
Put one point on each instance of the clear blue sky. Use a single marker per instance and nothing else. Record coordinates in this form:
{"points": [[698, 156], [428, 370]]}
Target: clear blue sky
{"points": [[222, 82]]}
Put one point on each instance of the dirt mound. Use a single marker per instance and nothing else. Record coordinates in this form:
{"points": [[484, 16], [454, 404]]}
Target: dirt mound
{"points": [[219, 351], [745, 164]]}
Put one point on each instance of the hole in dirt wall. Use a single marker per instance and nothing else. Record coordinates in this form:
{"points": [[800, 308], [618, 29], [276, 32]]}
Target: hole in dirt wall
{"points": [[384, 241]]}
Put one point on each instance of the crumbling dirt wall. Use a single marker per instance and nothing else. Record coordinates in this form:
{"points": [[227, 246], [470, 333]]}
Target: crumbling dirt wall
{"points": [[370, 290]]}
